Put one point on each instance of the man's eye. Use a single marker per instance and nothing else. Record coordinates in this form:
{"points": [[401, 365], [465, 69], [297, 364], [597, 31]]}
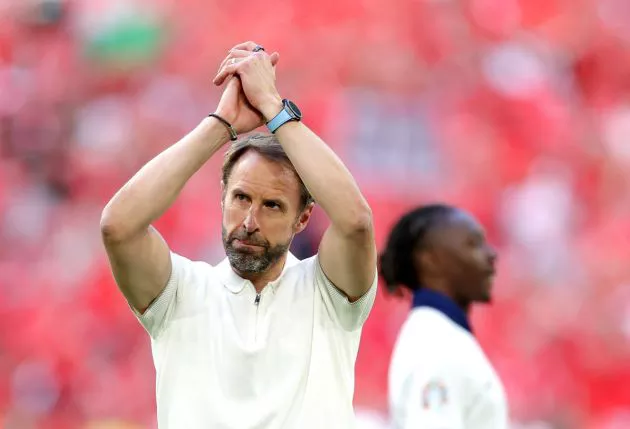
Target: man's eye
{"points": [[478, 242]]}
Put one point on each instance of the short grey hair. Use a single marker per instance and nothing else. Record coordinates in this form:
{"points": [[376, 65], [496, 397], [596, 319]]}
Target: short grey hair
{"points": [[269, 147]]}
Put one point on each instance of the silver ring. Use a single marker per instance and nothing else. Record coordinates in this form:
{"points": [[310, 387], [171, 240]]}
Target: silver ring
{"points": [[233, 61], [258, 48]]}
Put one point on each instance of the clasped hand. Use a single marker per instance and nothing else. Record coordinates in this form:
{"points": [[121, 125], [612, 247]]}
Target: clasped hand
{"points": [[250, 97]]}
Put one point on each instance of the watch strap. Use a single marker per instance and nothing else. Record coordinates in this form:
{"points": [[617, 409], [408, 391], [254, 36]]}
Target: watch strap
{"points": [[280, 119]]}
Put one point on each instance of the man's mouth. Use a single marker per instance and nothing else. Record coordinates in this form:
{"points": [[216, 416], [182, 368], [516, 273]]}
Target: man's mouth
{"points": [[246, 244], [491, 273]]}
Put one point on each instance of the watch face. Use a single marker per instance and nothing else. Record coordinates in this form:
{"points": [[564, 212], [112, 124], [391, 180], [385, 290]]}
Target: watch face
{"points": [[293, 109]]}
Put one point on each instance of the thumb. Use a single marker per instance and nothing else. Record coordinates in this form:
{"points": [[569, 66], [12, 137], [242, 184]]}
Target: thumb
{"points": [[275, 57], [235, 81], [233, 84]]}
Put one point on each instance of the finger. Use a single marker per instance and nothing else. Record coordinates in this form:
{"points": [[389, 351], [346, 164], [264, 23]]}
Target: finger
{"points": [[235, 53], [239, 53], [225, 72], [248, 46], [234, 81], [263, 57]]}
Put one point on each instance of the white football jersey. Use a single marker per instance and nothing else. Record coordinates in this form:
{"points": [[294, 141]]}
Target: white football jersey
{"points": [[439, 377]]}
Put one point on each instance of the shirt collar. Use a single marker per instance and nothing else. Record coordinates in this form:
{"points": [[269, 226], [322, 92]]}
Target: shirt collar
{"points": [[235, 283], [429, 298]]}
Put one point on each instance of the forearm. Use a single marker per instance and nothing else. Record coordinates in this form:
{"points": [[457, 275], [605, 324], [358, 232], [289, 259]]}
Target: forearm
{"points": [[326, 177], [152, 190]]}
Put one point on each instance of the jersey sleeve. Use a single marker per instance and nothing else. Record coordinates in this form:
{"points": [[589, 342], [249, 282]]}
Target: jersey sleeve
{"points": [[349, 315], [156, 317]]}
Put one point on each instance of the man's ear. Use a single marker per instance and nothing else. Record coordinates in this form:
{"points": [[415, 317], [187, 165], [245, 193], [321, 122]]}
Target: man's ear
{"points": [[425, 261], [304, 217]]}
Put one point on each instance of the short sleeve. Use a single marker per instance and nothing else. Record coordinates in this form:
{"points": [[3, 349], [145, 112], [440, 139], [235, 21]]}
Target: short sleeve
{"points": [[156, 317], [431, 398], [350, 315]]}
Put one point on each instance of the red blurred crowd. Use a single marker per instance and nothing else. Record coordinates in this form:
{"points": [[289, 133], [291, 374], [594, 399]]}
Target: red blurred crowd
{"points": [[517, 110]]}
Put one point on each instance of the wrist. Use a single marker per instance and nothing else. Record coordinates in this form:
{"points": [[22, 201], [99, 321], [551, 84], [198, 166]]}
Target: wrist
{"points": [[270, 108], [214, 128], [229, 116], [228, 126]]}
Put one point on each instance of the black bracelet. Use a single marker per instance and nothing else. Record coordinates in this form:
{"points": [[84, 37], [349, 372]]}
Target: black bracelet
{"points": [[233, 135]]}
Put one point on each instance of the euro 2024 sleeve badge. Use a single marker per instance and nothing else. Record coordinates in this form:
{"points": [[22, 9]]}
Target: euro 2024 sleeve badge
{"points": [[434, 395]]}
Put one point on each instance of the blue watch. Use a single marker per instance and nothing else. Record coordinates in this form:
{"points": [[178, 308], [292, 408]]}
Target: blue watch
{"points": [[289, 112]]}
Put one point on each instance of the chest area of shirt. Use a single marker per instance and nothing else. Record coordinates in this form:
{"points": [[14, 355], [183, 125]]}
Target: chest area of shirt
{"points": [[255, 321], [240, 344], [248, 322], [488, 402]]}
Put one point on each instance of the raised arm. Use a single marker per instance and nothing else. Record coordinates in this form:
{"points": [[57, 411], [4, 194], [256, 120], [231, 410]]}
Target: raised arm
{"points": [[139, 257], [347, 252]]}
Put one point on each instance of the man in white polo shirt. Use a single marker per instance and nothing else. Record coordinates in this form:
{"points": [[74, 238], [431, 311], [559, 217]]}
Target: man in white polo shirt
{"points": [[261, 340], [439, 376]]}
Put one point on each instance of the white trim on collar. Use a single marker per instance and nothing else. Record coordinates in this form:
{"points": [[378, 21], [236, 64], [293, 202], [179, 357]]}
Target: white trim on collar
{"points": [[235, 283]]}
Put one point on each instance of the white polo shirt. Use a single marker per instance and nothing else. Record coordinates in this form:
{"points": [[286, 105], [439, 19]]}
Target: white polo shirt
{"points": [[226, 358], [439, 377]]}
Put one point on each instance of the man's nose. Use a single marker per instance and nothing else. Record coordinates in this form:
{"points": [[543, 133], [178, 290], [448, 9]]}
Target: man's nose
{"points": [[250, 223], [492, 254]]}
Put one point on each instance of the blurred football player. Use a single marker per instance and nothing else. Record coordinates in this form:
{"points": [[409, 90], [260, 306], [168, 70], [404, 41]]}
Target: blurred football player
{"points": [[439, 376]]}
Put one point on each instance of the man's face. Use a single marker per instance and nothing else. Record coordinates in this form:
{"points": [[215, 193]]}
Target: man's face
{"points": [[466, 259], [261, 213]]}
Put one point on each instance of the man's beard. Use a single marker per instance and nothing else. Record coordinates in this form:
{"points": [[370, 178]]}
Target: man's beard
{"points": [[249, 262]]}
